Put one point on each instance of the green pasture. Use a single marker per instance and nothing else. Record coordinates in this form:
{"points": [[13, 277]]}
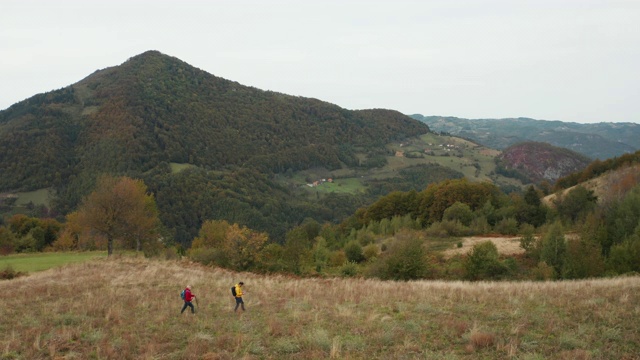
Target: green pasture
{"points": [[349, 185], [33, 262], [37, 197], [176, 168]]}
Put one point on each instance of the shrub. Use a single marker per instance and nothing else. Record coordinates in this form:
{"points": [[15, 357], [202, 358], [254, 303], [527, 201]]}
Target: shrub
{"points": [[543, 272], [9, 273], [353, 250], [483, 262], [337, 258], [528, 239], [371, 252], [460, 212], [583, 260], [625, 257], [447, 228], [405, 259], [208, 256], [507, 226], [554, 247], [349, 269]]}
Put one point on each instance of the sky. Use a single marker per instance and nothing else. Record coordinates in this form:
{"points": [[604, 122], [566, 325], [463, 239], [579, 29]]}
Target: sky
{"points": [[568, 60]]}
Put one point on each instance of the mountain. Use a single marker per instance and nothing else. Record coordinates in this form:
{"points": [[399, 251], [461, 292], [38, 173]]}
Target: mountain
{"points": [[537, 162], [154, 114], [597, 141], [155, 108]]}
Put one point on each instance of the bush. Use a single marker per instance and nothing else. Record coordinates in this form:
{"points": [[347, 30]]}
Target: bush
{"points": [[405, 259], [507, 226], [483, 262], [337, 258], [349, 269], [460, 212], [528, 239], [624, 258], [353, 250], [543, 272], [208, 256], [9, 273], [371, 252], [448, 228]]}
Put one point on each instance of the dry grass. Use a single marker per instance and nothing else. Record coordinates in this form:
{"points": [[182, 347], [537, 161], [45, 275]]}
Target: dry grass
{"points": [[507, 245], [129, 309]]}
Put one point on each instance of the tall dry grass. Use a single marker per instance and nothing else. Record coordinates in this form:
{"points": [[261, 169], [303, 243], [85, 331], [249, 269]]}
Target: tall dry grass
{"points": [[129, 309]]}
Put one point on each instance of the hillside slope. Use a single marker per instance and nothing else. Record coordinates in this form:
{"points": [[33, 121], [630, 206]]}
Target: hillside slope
{"points": [[541, 162], [597, 141], [610, 186]]}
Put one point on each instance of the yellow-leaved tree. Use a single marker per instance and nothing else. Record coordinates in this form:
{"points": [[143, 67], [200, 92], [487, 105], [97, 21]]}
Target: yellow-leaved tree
{"points": [[120, 209], [227, 245]]}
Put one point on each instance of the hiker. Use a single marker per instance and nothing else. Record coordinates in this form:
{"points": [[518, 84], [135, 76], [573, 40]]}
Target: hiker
{"points": [[188, 296], [238, 296]]}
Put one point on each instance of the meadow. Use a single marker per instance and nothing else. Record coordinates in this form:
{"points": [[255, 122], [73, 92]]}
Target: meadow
{"points": [[129, 308], [31, 262]]}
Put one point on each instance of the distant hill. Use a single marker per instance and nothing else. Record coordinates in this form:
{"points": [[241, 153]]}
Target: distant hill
{"points": [[597, 141], [539, 162]]}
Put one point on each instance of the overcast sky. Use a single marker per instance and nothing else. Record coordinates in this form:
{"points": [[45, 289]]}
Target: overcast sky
{"points": [[569, 60]]}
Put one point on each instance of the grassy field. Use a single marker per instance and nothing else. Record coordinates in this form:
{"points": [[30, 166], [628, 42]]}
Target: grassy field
{"points": [[176, 168], [128, 308], [32, 262], [37, 197]]}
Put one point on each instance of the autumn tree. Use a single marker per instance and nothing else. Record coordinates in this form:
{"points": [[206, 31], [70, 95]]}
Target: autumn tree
{"points": [[120, 209], [228, 245]]}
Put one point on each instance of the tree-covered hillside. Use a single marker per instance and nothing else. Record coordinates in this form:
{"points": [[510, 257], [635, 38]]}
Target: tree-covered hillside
{"points": [[138, 118]]}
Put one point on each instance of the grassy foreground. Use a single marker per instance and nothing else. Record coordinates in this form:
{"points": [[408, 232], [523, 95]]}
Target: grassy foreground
{"points": [[128, 308]]}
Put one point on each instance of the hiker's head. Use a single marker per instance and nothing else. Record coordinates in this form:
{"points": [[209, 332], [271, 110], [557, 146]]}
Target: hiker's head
{"points": [[189, 287], [240, 283]]}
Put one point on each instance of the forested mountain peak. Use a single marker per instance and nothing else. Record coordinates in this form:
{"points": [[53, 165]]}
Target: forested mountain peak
{"points": [[156, 108], [154, 111]]}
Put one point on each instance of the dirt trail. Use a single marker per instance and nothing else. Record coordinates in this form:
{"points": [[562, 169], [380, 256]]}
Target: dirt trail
{"points": [[507, 245]]}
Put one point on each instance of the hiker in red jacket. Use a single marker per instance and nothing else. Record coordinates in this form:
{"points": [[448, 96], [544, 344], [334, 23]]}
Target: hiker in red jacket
{"points": [[188, 296]]}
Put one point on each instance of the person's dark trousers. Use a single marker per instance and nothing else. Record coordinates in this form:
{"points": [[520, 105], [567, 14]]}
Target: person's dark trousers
{"points": [[239, 302], [189, 304]]}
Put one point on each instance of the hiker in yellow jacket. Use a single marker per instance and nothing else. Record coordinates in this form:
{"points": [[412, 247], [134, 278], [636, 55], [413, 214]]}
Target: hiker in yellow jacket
{"points": [[238, 296]]}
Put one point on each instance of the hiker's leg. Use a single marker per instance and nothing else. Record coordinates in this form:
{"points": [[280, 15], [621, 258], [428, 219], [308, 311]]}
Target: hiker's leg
{"points": [[242, 304], [238, 302], [193, 311], [184, 307]]}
